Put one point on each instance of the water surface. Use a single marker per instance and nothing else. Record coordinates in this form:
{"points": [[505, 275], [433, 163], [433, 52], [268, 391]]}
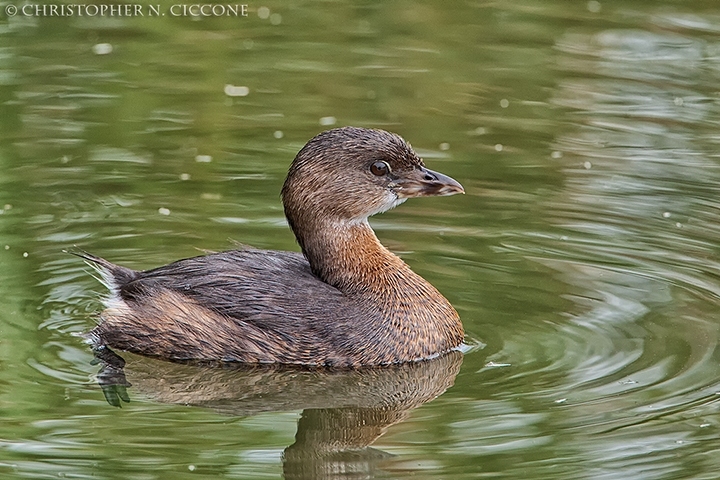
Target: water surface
{"points": [[583, 258]]}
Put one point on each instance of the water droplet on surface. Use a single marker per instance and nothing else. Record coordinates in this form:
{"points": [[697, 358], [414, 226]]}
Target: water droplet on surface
{"points": [[587, 165], [326, 121], [594, 6], [184, 176], [164, 211], [498, 147], [203, 158], [263, 12], [556, 154], [444, 146], [236, 91], [278, 134], [504, 103], [102, 49]]}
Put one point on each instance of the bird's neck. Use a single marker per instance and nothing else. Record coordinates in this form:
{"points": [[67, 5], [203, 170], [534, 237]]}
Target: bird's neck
{"points": [[348, 256]]}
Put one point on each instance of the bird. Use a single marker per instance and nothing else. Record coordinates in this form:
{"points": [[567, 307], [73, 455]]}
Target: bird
{"points": [[345, 300]]}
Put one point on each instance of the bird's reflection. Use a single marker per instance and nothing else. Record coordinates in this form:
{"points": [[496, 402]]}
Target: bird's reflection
{"points": [[344, 411]]}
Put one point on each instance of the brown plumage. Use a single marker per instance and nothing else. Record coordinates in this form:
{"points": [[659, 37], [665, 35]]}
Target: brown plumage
{"points": [[345, 301]]}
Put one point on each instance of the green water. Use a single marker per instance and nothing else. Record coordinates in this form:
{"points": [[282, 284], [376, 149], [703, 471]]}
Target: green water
{"points": [[583, 258]]}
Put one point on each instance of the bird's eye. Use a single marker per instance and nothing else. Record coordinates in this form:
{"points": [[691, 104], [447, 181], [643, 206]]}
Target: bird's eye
{"points": [[379, 169]]}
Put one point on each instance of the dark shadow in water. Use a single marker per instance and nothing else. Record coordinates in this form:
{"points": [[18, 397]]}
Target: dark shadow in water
{"points": [[344, 411]]}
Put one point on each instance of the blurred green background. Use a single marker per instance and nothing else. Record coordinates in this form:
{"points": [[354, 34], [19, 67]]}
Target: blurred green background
{"points": [[583, 258]]}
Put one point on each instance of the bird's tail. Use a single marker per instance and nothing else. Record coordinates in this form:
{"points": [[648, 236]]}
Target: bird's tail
{"points": [[111, 275]]}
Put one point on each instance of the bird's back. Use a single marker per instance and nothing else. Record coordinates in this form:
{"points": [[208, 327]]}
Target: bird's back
{"points": [[257, 306]]}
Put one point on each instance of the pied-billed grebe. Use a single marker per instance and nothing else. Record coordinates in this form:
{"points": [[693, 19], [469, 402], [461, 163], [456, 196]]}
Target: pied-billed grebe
{"points": [[345, 301]]}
